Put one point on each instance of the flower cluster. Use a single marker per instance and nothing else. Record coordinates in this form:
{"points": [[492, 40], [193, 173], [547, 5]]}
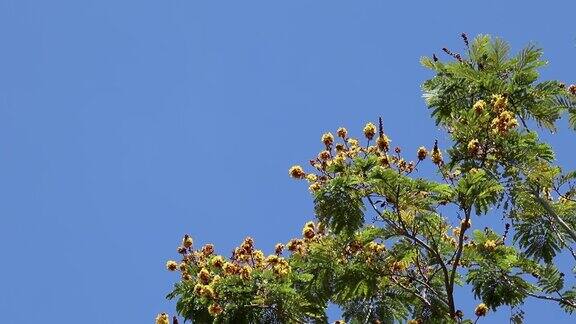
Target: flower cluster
{"points": [[572, 89], [437, 155], [502, 119], [481, 310], [490, 245], [422, 153], [308, 231], [504, 122], [336, 157], [162, 318], [205, 271], [215, 309], [479, 106], [474, 147], [311, 233], [499, 118], [369, 131], [328, 140], [383, 143], [493, 116], [499, 103], [297, 172], [365, 252]]}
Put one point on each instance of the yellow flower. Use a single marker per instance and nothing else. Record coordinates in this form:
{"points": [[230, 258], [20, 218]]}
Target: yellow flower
{"points": [[499, 102], [340, 159], [490, 245], [215, 280], [279, 265], [245, 272], [353, 142], [473, 146], [214, 309], [342, 132], [204, 276], [456, 231], [324, 155], [479, 106], [187, 241], [513, 123], [481, 310], [308, 231], [297, 172], [294, 245], [272, 259], [198, 288], [171, 265], [207, 292], [162, 318], [247, 246], [281, 269], [402, 165], [383, 143], [217, 261], [504, 122], [369, 130], [314, 187], [328, 139], [437, 156], [258, 257], [354, 151], [311, 177], [208, 249], [398, 266], [375, 247], [384, 161], [422, 153], [183, 267], [279, 248], [230, 268]]}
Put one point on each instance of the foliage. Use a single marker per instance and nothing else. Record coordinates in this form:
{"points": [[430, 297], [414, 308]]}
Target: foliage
{"points": [[421, 244]]}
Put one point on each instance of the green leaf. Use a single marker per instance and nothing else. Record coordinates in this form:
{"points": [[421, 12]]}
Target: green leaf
{"points": [[479, 190], [497, 288], [537, 238], [550, 279], [340, 206]]}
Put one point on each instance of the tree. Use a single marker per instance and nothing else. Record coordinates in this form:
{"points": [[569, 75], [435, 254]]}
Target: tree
{"points": [[421, 244]]}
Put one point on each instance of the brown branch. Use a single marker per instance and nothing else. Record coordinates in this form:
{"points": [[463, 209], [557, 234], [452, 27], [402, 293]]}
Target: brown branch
{"points": [[561, 300], [436, 254]]}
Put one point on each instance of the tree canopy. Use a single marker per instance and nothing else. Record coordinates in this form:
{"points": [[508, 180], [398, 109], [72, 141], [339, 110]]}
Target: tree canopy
{"points": [[390, 244]]}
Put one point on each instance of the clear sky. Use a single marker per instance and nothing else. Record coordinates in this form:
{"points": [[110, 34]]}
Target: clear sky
{"points": [[125, 124]]}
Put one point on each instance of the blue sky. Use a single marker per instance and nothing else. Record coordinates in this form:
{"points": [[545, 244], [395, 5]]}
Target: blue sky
{"points": [[125, 124]]}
